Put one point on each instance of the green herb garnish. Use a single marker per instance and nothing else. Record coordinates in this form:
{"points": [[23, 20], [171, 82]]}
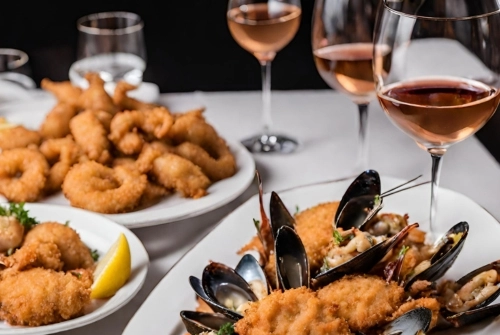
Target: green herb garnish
{"points": [[21, 214], [257, 224], [226, 329], [297, 209], [95, 255], [337, 237], [76, 274], [377, 200], [403, 250], [325, 265], [66, 223]]}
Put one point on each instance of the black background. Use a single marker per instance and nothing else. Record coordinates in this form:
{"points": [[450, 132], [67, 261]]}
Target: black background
{"points": [[188, 44]]}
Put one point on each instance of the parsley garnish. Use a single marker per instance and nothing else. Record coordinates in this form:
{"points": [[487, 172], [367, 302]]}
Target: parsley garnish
{"points": [[257, 224], [95, 254], [337, 237], [297, 210], [226, 329], [76, 274], [20, 213], [66, 223], [403, 250]]}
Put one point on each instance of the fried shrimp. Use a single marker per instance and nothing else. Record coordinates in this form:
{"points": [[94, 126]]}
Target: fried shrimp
{"points": [[175, 172], [91, 135], [61, 153], [36, 255], [124, 102], [38, 296], [23, 173], [149, 153], [18, 137], [11, 233], [56, 123], [74, 253], [95, 96], [130, 129], [98, 188], [64, 91]]}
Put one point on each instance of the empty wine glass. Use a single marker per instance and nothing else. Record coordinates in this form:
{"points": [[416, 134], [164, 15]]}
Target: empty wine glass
{"points": [[264, 27], [112, 44], [436, 68], [342, 42]]}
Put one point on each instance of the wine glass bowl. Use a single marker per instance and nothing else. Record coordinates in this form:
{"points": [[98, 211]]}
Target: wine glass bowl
{"points": [[436, 71], [264, 27], [111, 44], [15, 68]]}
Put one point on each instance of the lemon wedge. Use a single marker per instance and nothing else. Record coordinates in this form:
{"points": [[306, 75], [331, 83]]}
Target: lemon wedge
{"points": [[113, 270]]}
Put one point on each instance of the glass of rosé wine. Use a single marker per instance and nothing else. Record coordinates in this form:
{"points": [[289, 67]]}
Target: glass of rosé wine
{"points": [[342, 43], [264, 27], [436, 65]]}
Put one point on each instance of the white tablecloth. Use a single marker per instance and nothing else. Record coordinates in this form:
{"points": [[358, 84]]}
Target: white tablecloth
{"points": [[326, 125]]}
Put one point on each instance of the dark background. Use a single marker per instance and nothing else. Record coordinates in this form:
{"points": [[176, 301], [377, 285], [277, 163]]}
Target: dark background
{"points": [[189, 47]]}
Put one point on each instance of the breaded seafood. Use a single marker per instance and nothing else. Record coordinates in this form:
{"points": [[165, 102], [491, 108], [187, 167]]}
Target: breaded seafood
{"points": [[64, 91], [18, 137], [124, 102], [56, 123], [91, 135], [95, 96]]}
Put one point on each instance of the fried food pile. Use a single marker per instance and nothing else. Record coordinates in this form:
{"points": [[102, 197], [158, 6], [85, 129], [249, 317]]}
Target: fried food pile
{"points": [[111, 154], [46, 270]]}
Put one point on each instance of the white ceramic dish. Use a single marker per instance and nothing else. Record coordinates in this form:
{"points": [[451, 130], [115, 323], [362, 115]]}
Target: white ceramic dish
{"points": [[160, 312], [171, 208], [97, 232]]}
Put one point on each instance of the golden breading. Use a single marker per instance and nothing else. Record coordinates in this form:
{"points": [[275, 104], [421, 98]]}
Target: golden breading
{"points": [[38, 296], [74, 253], [429, 303], [314, 226], [18, 137], [363, 301], [36, 254], [293, 312]]}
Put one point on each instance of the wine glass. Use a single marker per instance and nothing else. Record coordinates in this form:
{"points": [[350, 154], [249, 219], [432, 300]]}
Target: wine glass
{"points": [[264, 27], [436, 67], [111, 44], [342, 43], [15, 68]]}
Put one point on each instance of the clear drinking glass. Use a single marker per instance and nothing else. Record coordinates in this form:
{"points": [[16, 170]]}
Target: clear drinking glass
{"points": [[112, 44], [15, 68], [264, 27], [342, 43], [436, 66]]}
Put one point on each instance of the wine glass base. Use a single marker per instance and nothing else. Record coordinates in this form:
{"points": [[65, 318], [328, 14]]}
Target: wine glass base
{"points": [[264, 143]]}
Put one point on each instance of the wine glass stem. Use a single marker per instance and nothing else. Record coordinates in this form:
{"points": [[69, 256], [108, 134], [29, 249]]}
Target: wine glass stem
{"points": [[436, 172], [362, 163], [266, 96]]}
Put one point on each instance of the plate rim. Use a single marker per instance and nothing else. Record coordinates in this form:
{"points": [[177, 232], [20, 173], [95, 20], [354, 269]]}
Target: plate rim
{"points": [[84, 320]]}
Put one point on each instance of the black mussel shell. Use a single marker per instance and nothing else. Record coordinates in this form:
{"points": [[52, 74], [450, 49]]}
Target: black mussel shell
{"points": [[198, 289], [363, 262], [473, 316], [410, 323], [367, 183], [198, 322], [220, 282], [249, 269], [358, 211], [292, 264], [280, 216], [444, 258]]}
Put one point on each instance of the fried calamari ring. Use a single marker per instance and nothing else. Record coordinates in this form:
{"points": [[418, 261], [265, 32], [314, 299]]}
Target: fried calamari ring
{"points": [[98, 188], [216, 169], [95, 96], [64, 91], [124, 102], [62, 154], [175, 172], [56, 123], [23, 173], [91, 135], [149, 153], [129, 128], [18, 137]]}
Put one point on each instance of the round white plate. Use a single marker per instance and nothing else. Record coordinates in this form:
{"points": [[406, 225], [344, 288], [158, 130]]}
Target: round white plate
{"points": [[160, 312], [171, 208], [97, 232]]}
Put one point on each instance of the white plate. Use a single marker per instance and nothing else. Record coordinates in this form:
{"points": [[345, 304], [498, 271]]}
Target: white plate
{"points": [[97, 232], [160, 312], [171, 208]]}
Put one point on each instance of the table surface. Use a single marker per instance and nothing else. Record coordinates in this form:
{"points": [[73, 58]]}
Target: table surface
{"points": [[325, 123]]}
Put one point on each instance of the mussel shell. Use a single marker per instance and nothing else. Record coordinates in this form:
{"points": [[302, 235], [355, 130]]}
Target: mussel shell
{"points": [[220, 282], [363, 262], [473, 316], [410, 323], [249, 269], [357, 212], [200, 292], [280, 216], [444, 258], [198, 322], [292, 264], [367, 183]]}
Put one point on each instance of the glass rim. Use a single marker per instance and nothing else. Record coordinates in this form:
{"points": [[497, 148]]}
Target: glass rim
{"points": [[16, 63], [436, 18], [137, 26]]}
